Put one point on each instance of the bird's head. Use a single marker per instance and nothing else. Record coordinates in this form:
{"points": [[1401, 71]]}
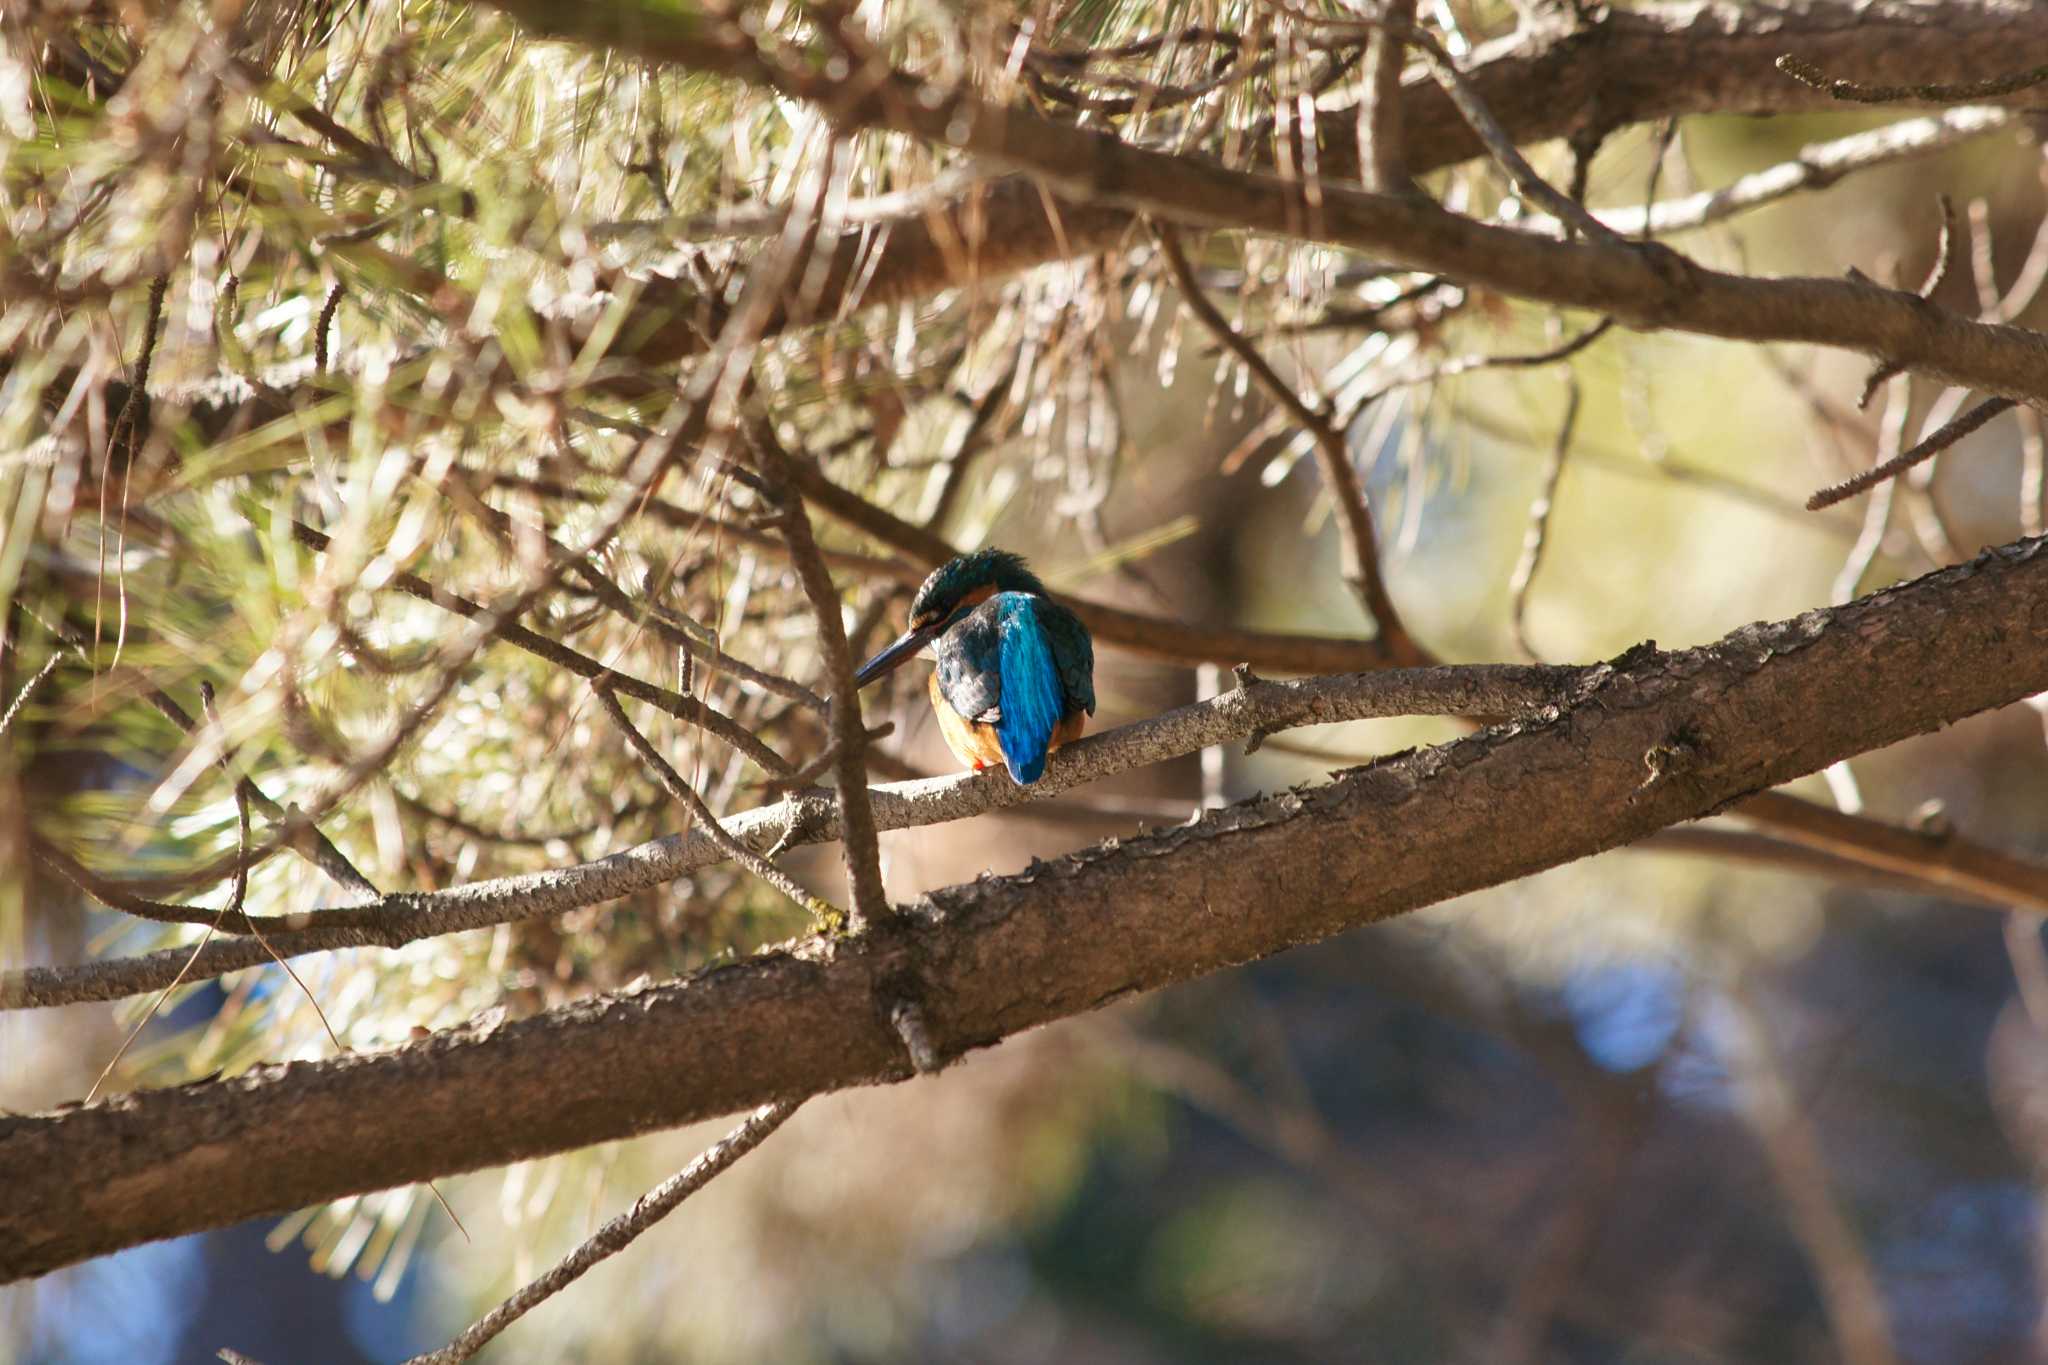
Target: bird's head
{"points": [[955, 588]]}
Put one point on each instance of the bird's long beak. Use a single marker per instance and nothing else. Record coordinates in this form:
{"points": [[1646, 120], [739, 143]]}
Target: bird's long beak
{"points": [[903, 647]]}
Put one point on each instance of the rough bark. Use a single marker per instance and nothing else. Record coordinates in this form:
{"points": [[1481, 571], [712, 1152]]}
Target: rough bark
{"points": [[1651, 740]]}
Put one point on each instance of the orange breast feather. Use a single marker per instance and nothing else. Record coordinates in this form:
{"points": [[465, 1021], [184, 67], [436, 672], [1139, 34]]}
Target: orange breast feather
{"points": [[976, 745]]}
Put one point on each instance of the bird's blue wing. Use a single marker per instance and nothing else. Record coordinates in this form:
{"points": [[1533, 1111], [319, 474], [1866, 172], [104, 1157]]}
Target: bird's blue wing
{"points": [[1073, 652], [1032, 698]]}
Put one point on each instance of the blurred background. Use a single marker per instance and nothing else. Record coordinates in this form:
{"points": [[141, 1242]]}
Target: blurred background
{"points": [[1662, 1105]]}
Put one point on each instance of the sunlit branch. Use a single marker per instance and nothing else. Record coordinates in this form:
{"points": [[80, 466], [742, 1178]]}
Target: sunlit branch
{"points": [[1651, 740]]}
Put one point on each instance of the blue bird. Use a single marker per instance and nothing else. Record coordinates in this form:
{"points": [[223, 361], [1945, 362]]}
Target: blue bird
{"points": [[1016, 670]]}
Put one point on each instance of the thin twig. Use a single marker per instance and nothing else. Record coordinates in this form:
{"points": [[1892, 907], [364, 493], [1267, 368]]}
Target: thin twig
{"points": [[616, 1235], [2026, 285], [1983, 268], [1877, 515], [700, 644], [234, 906], [859, 843], [324, 327], [970, 444], [241, 892], [1465, 96], [508, 629], [125, 425], [1993, 307], [1538, 535], [1931, 523], [1816, 167], [1944, 256], [1944, 249], [2029, 966], [1949, 862], [1382, 157], [28, 690], [1960, 92], [1925, 450], [1880, 374], [1361, 565], [1516, 360], [684, 794], [1848, 1285]]}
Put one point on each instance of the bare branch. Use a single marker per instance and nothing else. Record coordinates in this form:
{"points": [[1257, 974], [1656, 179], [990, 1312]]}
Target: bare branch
{"points": [[1538, 535], [1807, 74], [616, 1235], [848, 731], [1926, 450], [1945, 862], [1500, 146], [701, 816], [1333, 459], [1005, 954], [1817, 167], [1642, 285], [406, 917], [1877, 514], [1382, 154]]}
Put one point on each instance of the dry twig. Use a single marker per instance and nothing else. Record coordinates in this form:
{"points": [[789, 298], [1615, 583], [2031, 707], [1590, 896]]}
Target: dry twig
{"points": [[616, 1235], [1362, 570], [1927, 449], [1959, 92]]}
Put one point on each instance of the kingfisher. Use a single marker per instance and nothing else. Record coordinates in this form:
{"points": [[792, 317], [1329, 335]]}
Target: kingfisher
{"points": [[1016, 670]]}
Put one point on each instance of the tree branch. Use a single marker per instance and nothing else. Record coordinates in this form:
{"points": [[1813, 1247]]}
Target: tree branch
{"points": [[617, 1234], [1625, 66], [407, 917], [1650, 740], [849, 733], [1642, 285], [1817, 167], [1361, 553], [1382, 157]]}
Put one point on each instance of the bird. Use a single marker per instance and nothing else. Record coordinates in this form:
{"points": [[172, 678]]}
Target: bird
{"points": [[1015, 675]]}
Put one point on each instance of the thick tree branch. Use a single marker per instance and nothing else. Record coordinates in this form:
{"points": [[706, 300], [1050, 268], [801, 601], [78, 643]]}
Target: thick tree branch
{"points": [[1653, 739], [1644, 286], [1547, 81]]}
